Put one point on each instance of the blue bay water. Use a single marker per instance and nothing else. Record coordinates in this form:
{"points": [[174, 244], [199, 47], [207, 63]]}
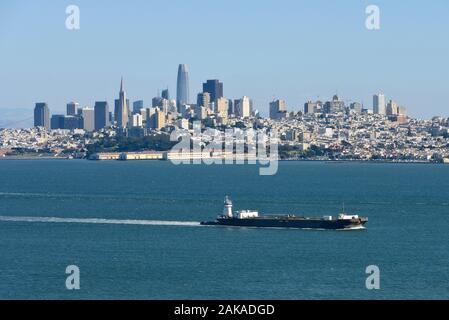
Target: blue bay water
{"points": [[407, 235]]}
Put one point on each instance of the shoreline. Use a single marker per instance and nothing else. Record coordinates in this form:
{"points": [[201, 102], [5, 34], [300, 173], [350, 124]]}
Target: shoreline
{"points": [[25, 158]]}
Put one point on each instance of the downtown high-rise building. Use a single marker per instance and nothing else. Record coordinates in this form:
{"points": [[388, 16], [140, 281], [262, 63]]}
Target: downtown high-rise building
{"points": [[42, 115], [88, 116], [379, 106], [214, 88], [137, 106], [165, 94], [182, 88], [392, 108], [60, 121], [101, 110], [57, 121], [136, 120], [336, 105], [312, 107], [277, 109], [121, 111], [242, 107], [203, 100], [222, 107], [157, 119], [356, 107], [72, 108]]}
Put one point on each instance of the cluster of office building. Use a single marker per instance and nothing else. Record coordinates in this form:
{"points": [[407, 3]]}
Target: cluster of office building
{"points": [[139, 119], [343, 129]]}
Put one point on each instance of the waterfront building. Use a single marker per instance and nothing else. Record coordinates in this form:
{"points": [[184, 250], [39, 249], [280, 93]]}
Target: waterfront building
{"points": [[105, 156], [147, 155]]}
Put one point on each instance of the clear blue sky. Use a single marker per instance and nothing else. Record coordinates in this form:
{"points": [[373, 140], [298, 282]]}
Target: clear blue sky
{"points": [[295, 50]]}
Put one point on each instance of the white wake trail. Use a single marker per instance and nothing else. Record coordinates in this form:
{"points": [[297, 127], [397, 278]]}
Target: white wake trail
{"points": [[100, 221]]}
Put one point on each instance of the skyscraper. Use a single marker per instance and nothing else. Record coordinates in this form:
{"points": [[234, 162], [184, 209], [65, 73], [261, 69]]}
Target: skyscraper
{"points": [[392, 108], [165, 94], [203, 100], [42, 115], [222, 107], [72, 108], [57, 121], [156, 102], [157, 120], [379, 104], [243, 107], [137, 105], [356, 107], [121, 110], [334, 106], [230, 107], [182, 90], [88, 115], [137, 120], [214, 88], [60, 121], [277, 109], [101, 109], [310, 107]]}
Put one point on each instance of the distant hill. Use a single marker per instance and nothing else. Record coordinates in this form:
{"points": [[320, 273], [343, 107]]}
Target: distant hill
{"points": [[16, 117]]}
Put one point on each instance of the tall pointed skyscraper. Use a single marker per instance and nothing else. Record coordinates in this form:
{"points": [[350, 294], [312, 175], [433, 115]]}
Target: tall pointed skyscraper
{"points": [[121, 110], [182, 92]]}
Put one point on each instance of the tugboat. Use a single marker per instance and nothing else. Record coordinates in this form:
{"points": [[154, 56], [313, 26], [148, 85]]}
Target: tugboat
{"points": [[251, 218]]}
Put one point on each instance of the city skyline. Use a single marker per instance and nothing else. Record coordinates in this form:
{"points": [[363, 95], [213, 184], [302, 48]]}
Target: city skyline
{"points": [[249, 65], [124, 107], [211, 105]]}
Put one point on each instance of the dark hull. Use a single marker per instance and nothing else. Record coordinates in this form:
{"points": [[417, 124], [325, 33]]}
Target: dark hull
{"points": [[297, 223]]}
